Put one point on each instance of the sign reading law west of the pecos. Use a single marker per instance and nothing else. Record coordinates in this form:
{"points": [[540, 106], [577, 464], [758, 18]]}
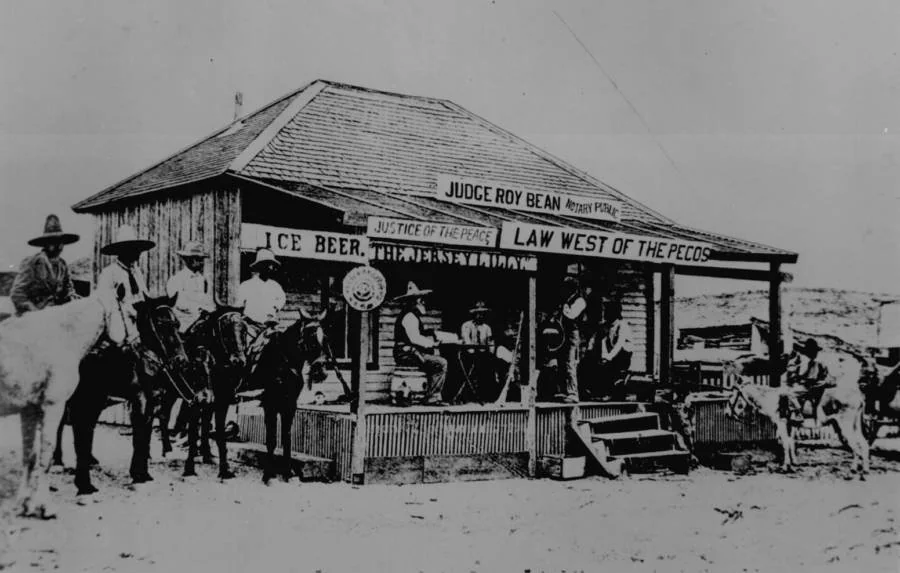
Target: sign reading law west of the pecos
{"points": [[603, 244], [483, 193]]}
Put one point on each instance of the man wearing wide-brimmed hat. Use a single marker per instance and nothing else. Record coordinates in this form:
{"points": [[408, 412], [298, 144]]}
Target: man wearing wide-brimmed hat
{"points": [[190, 287], [43, 279], [261, 296], [571, 313], [122, 279], [807, 377], [412, 347]]}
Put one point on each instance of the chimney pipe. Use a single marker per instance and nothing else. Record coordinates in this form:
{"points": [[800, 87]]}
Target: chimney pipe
{"points": [[238, 104]]}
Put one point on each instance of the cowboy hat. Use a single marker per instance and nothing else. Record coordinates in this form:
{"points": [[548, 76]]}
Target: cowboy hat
{"points": [[480, 306], [264, 256], [412, 291], [126, 240], [810, 346], [53, 233], [193, 249]]}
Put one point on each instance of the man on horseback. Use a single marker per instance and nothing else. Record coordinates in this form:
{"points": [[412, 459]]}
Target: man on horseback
{"points": [[43, 279], [261, 297], [807, 378], [189, 287], [122, 279]]}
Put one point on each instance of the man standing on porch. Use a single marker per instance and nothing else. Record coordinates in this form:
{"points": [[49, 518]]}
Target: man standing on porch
{"points": [[414, 348], [572, 315]]}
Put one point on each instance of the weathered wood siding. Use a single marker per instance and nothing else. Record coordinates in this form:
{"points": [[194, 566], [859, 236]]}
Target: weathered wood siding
{"points": [[212, 217], [631, 289]]}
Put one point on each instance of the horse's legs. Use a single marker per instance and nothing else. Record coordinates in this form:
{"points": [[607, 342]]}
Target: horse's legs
{"points": [[221, 411], [165, 415], [204, 417], [53, 413], [271, 418], [193, 418], [140, 437], [28, 419], [287, 420], [83, 418], [57, 451]]}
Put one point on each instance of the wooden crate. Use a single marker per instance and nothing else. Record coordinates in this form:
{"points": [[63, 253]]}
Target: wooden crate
{"points": [[562, 468]]}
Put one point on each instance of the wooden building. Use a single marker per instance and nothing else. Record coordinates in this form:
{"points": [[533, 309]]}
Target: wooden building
{"points": [[332, 176]]}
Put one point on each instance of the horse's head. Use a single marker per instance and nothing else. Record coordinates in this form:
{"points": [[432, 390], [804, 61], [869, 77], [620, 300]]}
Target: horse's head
{"points": [[310, 343], [231, 331], [158, 329]]}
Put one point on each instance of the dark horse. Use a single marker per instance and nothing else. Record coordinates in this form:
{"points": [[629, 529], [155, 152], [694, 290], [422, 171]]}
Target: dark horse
{"points": [[279, 374], [216, 344], [139, 375]]}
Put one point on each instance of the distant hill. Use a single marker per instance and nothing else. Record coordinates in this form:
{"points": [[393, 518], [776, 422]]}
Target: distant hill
{"points": [[850, 315]]}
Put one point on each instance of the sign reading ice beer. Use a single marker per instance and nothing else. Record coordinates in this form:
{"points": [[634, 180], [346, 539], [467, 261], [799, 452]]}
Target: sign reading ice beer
{"points": [[305, 244], [546, 239], [430, 232], [494, 194]]}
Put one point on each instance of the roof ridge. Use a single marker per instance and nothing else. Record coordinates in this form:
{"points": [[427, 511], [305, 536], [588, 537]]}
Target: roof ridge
{"points": [[79, 205], [561, 163], [354, 87]]}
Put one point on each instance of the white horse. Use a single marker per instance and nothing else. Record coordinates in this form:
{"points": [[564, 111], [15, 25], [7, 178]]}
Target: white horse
{"points": [[841, 405], [39, 356]]}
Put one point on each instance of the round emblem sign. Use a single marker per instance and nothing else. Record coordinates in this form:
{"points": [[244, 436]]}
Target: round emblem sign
{"points": [[364, 288]]}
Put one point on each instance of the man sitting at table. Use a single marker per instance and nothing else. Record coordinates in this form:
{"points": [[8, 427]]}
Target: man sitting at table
{"points": [[476, 333], [413, 347]]}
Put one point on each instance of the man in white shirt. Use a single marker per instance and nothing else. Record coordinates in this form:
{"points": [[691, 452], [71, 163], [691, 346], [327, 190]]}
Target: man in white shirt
{"points": [[122, 279], [260, 296], [412, 347], [572, 316], [189, 287]]}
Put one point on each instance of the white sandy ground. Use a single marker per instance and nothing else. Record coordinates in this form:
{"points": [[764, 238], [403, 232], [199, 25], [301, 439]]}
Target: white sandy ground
{"points": [[708, 521]]}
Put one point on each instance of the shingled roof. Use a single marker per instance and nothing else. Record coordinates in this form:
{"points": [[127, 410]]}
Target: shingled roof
{"points": [[351, 145]]}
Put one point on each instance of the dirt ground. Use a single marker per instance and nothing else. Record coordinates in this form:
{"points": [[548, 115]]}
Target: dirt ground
{"points": [[814, 520]]}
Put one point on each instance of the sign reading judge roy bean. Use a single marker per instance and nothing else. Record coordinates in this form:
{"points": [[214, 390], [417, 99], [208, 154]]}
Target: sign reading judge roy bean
{"points": [[493, 194], [543, 238]]}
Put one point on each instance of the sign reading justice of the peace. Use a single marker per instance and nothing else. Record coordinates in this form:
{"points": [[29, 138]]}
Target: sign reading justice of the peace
{"points": [[364, 288], [543, 238], [458, 257], [430, 232], [495, 194], [305, 244]]}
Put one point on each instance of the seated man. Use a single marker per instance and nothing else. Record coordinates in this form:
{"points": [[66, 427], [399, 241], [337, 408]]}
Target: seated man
{"points": [[807, 378], [611, 350], [260, 297], [412, 347], [486, 366]]}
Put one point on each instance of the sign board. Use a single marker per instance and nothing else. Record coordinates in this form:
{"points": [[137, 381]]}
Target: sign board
{"points": [[446, 256], [431, 232], [486, 193], [585, 243], [364, 288], [305, 244]]}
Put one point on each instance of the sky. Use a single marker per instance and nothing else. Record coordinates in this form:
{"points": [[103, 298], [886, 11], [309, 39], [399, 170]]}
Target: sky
{"points": [[777, 122]]}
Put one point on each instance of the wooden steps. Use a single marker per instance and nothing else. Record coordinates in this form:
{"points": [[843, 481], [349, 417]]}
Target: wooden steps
{"points": [[306, 467], [632, 443]]}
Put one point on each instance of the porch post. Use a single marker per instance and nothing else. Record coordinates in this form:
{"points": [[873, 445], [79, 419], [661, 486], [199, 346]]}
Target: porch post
{"points": [[360, 325], [775, 335], [666, 323], [649, 280], [529, 392]]}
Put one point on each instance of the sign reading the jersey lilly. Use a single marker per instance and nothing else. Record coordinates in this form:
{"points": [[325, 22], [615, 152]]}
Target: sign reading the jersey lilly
{"points": [[305, 244], [493, 194], [546, 239]]}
